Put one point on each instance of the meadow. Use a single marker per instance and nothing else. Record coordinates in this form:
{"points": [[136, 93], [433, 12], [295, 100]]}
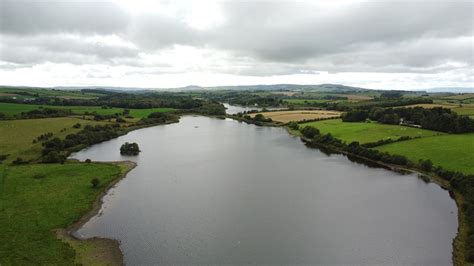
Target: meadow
{"points": [[16, 136], [366, 132], [287, 116], [11, 109], [453, 152], [36, 199]]}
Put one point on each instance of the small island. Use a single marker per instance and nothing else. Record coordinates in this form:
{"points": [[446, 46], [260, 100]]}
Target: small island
{"points": [[129, 149]]}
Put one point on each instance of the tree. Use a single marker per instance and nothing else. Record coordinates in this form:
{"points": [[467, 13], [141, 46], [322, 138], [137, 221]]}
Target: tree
{"points": [[309, 132], [426, 165], [293, 125], [95, 182], [129, 149]]}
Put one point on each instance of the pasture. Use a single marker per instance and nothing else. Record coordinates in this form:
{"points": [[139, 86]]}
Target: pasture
{"points": [[11, 109], [16, 136], [366, 132], [453, 152], [36, 199], [299, 115]]}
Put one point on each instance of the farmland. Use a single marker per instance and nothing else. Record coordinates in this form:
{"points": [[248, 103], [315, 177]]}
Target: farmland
{"points": [[16, 136], [36, 199], [453, 152], [366, 132], [12, 109], [287, 116]]}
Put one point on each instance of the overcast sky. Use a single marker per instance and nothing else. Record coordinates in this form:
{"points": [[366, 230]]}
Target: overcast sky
{"points": [[161, 44]]}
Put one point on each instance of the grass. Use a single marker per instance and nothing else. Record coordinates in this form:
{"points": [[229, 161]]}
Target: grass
{"points": [[31, 208], [16, 136], [366, 132], [20, 92], [287, 116], [11, 109], [453, 152]]}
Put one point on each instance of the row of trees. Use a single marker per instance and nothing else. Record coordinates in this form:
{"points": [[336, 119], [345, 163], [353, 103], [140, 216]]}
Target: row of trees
{"points": [[438, 119]]}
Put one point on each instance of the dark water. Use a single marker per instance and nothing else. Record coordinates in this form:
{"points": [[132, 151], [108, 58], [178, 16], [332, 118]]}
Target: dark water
{"points": [[219, 191]]}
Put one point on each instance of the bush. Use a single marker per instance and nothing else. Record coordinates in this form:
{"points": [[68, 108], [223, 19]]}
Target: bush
{"points": [[426, 165], [77, 125], [95, 182], [19, 160], [129, 149], [293, 125], [88, 160], [309, 132]]}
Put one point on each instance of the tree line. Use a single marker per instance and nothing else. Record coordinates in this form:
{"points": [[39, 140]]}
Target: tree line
{"points": [[438, 118]]}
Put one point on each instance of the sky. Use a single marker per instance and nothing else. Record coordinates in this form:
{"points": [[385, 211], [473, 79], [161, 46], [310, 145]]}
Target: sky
{"points": [[384, 44]]}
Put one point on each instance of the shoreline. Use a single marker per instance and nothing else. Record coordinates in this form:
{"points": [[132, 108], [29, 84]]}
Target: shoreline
{"points": [[107, 251], [96, 250], [460, 239]]}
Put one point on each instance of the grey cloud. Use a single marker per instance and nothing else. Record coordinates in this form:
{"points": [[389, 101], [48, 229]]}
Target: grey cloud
{"points": [[60, 49], [276, 37], [36, 17]]}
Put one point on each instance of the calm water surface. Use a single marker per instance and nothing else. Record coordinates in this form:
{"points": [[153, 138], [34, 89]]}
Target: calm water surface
{"points": [[219, 191]]}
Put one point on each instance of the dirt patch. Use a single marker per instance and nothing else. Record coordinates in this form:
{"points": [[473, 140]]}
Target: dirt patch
{"points": [[287, 116]]}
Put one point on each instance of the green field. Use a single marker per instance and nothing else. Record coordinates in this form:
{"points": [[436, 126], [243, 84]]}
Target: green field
{"points": [[35, 199], [16, 136], [12, 109], [366, 132], [21, 93], [454, 152]]}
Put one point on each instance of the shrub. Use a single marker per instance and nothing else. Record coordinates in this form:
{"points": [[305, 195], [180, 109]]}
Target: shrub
{"points": [[309, 132], [19, 160], [77, 125], [95, 182], [426, 165], [88, 160], [129, 149], [293, 125]]}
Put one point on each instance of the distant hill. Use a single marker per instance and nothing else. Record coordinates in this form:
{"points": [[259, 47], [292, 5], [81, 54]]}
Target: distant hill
{"points": [[291, 87], [451, 89]]}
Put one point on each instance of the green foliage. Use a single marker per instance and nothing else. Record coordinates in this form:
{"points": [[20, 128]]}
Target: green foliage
{"points": [[95, 182], [439, 119], [293, 125], [309, 132], [129, 149], [426, 165], [355, 116]]}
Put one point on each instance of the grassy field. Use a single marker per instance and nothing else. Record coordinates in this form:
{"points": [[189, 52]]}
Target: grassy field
{"points": [[16, 136], [20, 92], [454, 152], [11, 109], [35, 199], [463, 109], [366, 132], [287, 116]]}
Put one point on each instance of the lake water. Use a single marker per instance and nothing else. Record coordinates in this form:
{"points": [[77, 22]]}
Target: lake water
{"points": [[211, 191], [234, 109]]}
